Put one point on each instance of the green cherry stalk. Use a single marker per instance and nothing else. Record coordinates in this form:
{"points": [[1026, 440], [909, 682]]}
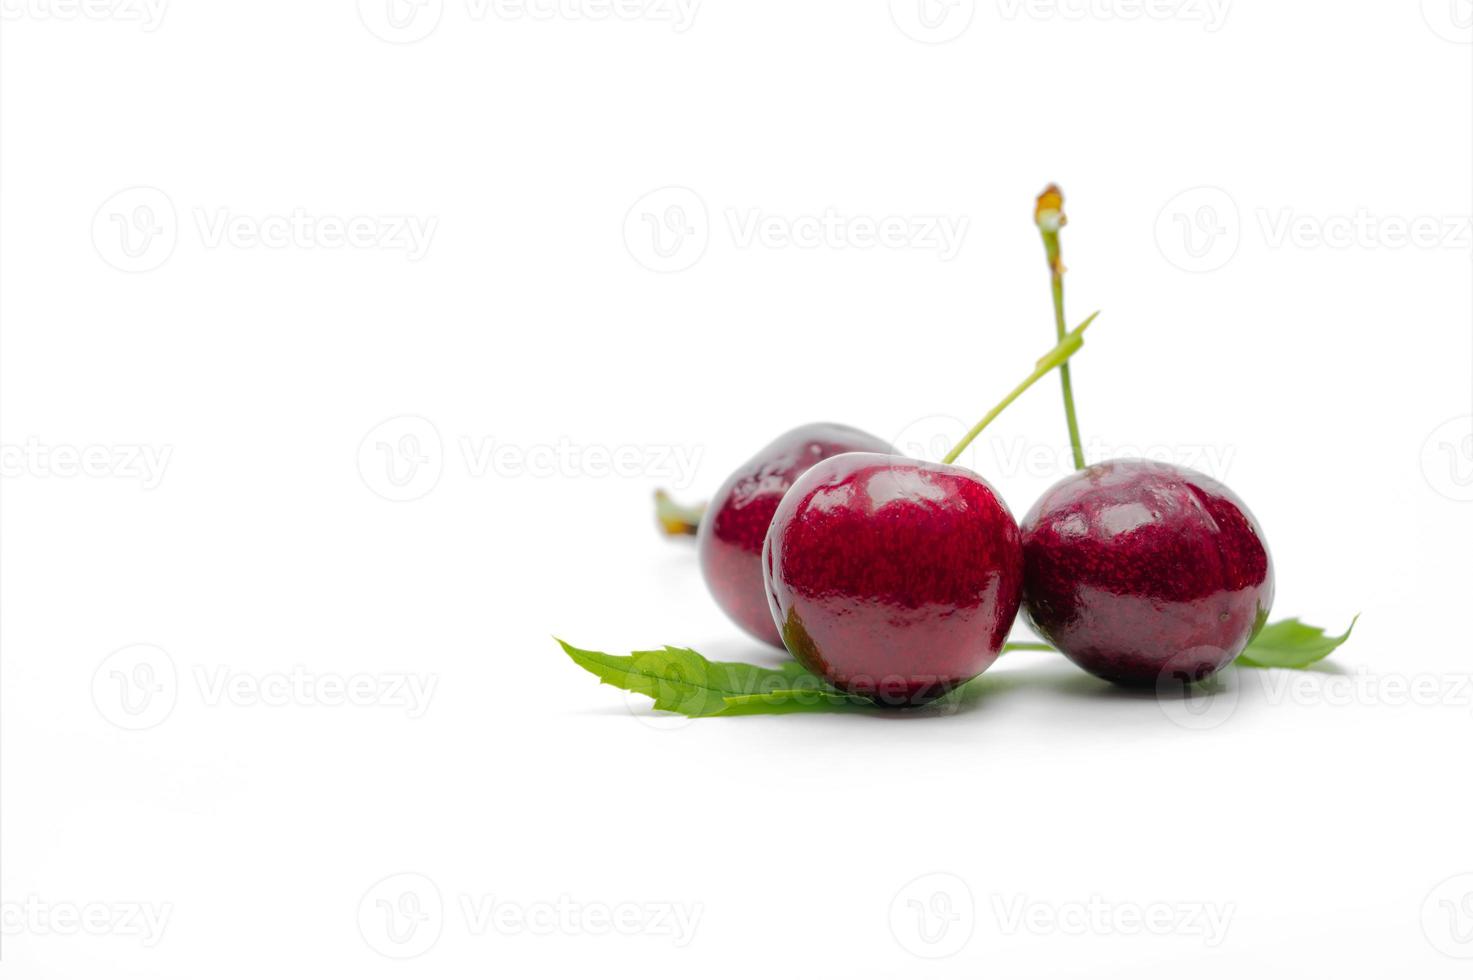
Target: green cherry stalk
{"points": [[1049, 215], [1056, 358]]}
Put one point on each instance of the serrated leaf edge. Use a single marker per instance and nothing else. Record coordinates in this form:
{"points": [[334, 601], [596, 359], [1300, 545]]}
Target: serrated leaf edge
{"points": [[1244, 659]]}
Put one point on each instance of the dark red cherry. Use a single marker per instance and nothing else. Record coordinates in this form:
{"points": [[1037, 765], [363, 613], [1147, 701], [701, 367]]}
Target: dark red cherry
{"points": [[1143, 572], [891, 577], [729, 542]]}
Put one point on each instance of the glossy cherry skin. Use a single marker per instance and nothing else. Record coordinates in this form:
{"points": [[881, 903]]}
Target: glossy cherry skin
{"points": [[891, 577], [1143, 572], [729, 541]]}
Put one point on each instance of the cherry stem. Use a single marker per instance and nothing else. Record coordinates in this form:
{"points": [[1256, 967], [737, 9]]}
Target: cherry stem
{"points": [[677, 519], [1049, 216], [1068, 345]]}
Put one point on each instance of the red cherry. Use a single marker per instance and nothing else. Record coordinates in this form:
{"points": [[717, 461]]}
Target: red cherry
{"points": [[893, 578], [1142, 572], [729, 542]]}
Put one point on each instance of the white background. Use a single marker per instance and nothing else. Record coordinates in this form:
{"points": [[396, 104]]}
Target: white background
{"points": [[1296, 345]]}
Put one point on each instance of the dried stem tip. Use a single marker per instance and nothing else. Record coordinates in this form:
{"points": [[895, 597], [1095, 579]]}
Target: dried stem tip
{"points": [[1049, 214], [677, 519]]}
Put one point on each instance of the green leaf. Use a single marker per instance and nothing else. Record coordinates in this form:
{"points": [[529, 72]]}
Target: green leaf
{"points": [[1290, 643], [683, 681], [805, 698]]}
